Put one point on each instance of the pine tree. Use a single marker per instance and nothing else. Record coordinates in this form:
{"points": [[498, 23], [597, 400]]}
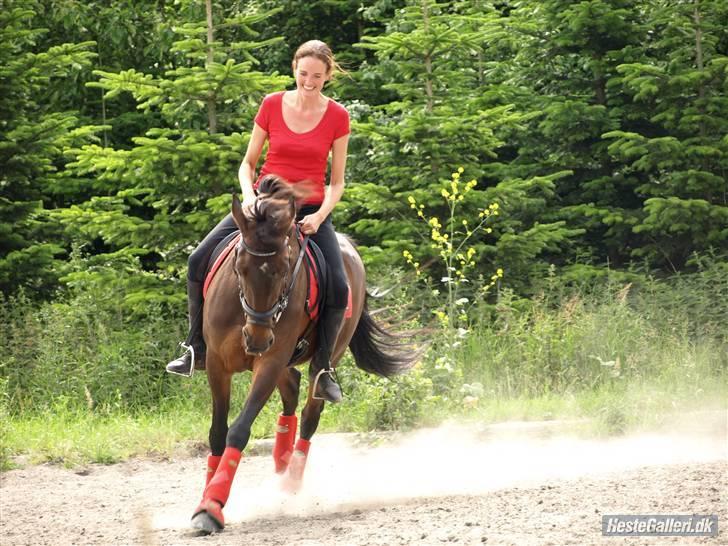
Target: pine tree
{"points": [[449, 113], [564, 72], [680, 151], [157, 199], [35, 133]]}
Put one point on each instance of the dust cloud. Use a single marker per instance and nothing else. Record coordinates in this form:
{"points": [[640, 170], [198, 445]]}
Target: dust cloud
{"points": [[460, 460]]}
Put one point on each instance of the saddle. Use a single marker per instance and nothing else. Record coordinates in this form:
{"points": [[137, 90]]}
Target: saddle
{"points": [[316, 273]]}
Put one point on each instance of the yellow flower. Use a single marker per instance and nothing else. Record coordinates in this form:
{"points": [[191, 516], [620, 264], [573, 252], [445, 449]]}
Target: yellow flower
{"points": [[499, 272]]}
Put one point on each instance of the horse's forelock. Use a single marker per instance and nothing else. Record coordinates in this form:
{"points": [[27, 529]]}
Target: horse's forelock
{"points": [[275, 187], [267, 206]]}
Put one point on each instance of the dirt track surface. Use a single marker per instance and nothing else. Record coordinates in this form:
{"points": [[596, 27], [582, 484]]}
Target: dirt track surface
{"points": [[509, 485]]}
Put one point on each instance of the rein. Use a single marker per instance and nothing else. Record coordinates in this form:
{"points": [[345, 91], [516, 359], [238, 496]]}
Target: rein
{"points": [[262, 317]]}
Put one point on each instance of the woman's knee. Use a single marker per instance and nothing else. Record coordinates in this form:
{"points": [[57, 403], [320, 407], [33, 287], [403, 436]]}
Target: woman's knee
{"points": [[338, 288], [196, 265]]}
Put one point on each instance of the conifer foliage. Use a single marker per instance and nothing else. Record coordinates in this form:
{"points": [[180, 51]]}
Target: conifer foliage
{"points": [[33, 135], [597, 127]]}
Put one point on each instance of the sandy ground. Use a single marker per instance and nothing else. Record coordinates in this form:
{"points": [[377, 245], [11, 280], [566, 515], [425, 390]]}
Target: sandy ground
{"points": [[516, 483]]}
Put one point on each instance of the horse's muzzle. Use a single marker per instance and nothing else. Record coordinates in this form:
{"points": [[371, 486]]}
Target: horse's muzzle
{"points": [[257, 345]]}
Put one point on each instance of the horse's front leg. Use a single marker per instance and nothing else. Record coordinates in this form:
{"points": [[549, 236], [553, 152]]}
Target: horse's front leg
{"points": [[289, 385], [310, 417], [208, 516], [219, 381]]}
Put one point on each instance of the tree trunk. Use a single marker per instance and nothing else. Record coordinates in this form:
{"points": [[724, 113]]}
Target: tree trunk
{"points": [[428, 61], [211, 108], [701, 88]]}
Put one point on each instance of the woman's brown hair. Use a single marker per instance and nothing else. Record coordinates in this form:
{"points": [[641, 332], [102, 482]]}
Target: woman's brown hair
{"points": [[321, 51]]}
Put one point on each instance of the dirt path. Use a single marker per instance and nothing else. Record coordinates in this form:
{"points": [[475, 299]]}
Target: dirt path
{"points": [[514, 484]]}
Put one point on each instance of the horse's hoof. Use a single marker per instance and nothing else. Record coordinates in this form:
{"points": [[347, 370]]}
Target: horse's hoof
{"points": [[208, 518], [292, 481], [206, 524], [291, 485]]}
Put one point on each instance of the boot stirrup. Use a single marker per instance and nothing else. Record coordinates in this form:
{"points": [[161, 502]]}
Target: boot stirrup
{"points": [[191, 349], [316, 380]]}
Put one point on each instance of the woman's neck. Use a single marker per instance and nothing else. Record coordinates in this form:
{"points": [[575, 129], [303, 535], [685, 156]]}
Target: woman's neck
{"points": [[307, 103]]}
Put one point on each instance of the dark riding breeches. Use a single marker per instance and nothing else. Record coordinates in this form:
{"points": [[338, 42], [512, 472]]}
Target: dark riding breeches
{"points": [[325, 238]]}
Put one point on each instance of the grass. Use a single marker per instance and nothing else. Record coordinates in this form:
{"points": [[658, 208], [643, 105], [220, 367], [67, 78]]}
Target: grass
{"points": [[74, 438], [74, 390]]}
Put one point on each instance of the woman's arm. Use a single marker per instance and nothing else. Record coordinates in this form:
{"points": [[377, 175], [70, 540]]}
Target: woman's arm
{"points": [[311, 223], [246, 172]]}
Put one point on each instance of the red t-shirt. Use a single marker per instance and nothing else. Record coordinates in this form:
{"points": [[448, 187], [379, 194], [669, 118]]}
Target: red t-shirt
{"points": [[300, 156]]}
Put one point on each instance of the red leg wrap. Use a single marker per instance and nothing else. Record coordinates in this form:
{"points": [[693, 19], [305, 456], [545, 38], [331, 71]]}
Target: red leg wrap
{"points": [[303, 446], [219, 487], [285, 436], [213, 461], [294, 479]]}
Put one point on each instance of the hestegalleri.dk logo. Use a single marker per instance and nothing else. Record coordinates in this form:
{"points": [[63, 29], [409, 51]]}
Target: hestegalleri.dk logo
{"points": [[660, 525]]}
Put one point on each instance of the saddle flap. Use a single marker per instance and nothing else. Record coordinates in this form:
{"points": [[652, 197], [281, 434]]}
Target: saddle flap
{"points": [[218, 256], [316, 267]]}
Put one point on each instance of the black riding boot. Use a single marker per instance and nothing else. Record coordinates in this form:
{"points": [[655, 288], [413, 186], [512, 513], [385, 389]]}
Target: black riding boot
{"points": [[329, 326], [194, 342]]}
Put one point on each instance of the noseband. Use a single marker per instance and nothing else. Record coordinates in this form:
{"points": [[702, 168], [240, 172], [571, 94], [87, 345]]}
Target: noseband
{"points": [[262, 318]]}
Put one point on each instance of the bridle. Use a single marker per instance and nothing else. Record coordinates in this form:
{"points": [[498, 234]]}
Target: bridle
{"points": [[262, 318]]}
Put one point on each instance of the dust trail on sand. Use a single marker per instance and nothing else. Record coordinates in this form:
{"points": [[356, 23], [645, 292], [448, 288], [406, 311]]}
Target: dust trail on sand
{"points": [[457, 460]]}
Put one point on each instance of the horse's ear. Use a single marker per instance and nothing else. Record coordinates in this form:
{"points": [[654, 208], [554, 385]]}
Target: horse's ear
{"points": [[238, 215]]}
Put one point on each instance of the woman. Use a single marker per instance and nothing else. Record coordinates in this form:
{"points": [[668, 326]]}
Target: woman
{"points": [[302, 127]]}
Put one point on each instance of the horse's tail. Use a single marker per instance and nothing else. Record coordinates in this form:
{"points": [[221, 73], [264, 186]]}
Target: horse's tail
{"points": [[377, 351]]}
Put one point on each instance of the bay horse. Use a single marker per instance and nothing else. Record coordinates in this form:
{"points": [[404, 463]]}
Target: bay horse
{"points": [[253, 317]]}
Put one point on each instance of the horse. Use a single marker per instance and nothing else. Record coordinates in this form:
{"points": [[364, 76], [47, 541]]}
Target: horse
{"points": [[253, 317]]}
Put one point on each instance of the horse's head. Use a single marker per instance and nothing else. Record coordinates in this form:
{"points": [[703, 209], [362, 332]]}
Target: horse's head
{"points": [[263, 259]]}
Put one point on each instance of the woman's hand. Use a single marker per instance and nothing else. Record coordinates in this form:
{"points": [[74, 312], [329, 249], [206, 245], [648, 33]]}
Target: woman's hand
{"points": [[310, 223]]}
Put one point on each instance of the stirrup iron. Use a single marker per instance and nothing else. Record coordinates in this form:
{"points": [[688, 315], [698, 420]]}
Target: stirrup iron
{"points": [[329, 371], [191, 349]]}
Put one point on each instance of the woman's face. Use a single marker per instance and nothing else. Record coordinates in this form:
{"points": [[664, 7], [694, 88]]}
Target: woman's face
{"points": [[311, 75]]}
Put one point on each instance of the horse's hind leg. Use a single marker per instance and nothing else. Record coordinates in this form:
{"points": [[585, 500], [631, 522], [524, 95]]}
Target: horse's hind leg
{"points": [[289, 384], [310, 417]]}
